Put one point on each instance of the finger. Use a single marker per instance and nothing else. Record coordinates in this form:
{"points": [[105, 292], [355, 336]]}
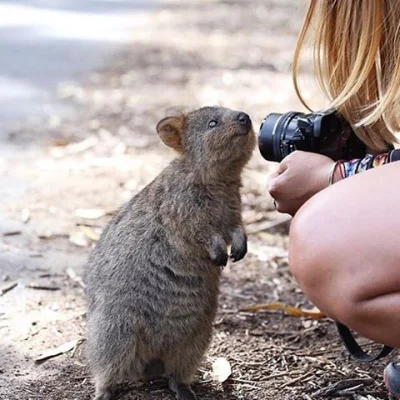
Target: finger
{"points": [[282, 167], [273, 175], [283, 208], [277, 182], [277, 206]]}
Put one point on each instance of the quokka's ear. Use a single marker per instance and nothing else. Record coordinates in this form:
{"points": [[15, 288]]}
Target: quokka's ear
{"points": [[170, 130]]}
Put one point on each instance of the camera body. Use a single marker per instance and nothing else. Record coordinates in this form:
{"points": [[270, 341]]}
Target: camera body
{"points": [[323, 132]]}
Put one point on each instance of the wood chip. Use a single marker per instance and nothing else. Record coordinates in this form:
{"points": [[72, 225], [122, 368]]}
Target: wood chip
{"points": [[78, 239], [89, 233], [221, 369], [288, 310], [25, 215], [90, 213], [80, 147], [73, 276], [64, 348], [9, 286]]}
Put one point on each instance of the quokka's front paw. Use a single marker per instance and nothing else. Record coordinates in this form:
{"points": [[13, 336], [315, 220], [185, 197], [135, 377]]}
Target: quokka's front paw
{"points": [[217, 251], [219, 258], [239, 245], [237, 253]]}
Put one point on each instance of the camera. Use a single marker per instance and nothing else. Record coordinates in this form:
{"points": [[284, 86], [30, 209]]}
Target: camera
{"points": [[323, 132]]}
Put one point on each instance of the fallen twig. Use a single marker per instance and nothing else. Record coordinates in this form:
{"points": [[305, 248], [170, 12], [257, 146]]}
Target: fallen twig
{"points": [[280, 375], [299, 378], [73, 276], [288, 310], [9, 286], [12, 233], [266, 225], [349, 392], [64, 348], [341, 386], [38, 286]]}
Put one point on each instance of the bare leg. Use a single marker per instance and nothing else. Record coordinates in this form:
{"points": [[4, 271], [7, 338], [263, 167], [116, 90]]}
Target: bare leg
{"points": [[345, 252]]}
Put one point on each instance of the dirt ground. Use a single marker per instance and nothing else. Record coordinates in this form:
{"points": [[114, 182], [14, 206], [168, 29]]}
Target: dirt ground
{"points": [[61, 180]]}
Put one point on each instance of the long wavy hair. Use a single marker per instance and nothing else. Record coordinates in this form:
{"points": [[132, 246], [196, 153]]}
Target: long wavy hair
{"points": [[356, 52]]}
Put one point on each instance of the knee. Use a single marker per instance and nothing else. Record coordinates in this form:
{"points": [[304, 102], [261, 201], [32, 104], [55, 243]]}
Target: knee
{"points": [[315, 262], [307, 253]]}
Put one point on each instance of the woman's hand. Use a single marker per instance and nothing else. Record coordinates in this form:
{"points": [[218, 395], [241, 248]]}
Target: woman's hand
{"points": [[299, 176]]}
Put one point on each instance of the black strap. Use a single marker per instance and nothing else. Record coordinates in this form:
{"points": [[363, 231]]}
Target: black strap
{"points": [[354, 348], [394, 155]]}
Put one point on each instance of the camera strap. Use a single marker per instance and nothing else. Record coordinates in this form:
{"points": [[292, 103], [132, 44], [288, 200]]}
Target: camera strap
{"points": [[354, 348]]}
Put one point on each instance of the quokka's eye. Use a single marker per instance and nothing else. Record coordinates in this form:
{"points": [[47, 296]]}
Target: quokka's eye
{"points": [[212, 123]]}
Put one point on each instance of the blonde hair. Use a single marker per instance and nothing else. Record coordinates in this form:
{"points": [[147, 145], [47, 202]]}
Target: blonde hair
{"points": [[357, 63]]}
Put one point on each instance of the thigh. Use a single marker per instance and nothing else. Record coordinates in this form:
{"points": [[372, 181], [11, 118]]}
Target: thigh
{"points": [[345, 241]]}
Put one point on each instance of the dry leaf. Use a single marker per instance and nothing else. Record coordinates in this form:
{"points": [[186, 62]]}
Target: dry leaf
{"points": [[288, 310], [64, 348], [221, 369], [90, 213], [89, 233], [61, 142]]}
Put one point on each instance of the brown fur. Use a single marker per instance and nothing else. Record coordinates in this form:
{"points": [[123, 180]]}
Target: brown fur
{"points": [[153, 278]]}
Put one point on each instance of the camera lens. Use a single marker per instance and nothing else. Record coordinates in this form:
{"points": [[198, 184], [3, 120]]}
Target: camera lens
{"points": [[275, 138], [322, 132]]}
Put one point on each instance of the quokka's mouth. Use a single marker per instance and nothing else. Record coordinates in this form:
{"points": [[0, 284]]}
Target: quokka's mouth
{"points": [[245, 131]]}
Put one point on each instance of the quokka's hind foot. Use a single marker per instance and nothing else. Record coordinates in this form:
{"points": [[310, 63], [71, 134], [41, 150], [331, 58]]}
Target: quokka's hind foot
{"points": [[154, 369], [183, 391], [104, 394], [105, 387]]}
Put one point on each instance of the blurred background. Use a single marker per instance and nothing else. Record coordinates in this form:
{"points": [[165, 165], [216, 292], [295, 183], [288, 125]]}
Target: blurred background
{"points": [[83, 85], [44, 43]]}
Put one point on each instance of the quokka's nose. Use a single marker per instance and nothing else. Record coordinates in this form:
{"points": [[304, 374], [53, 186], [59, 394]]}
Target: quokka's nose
{"points": [[243, 118]]}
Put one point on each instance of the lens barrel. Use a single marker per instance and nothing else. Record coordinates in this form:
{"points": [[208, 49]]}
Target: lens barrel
{"points": [[275, 134]]}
